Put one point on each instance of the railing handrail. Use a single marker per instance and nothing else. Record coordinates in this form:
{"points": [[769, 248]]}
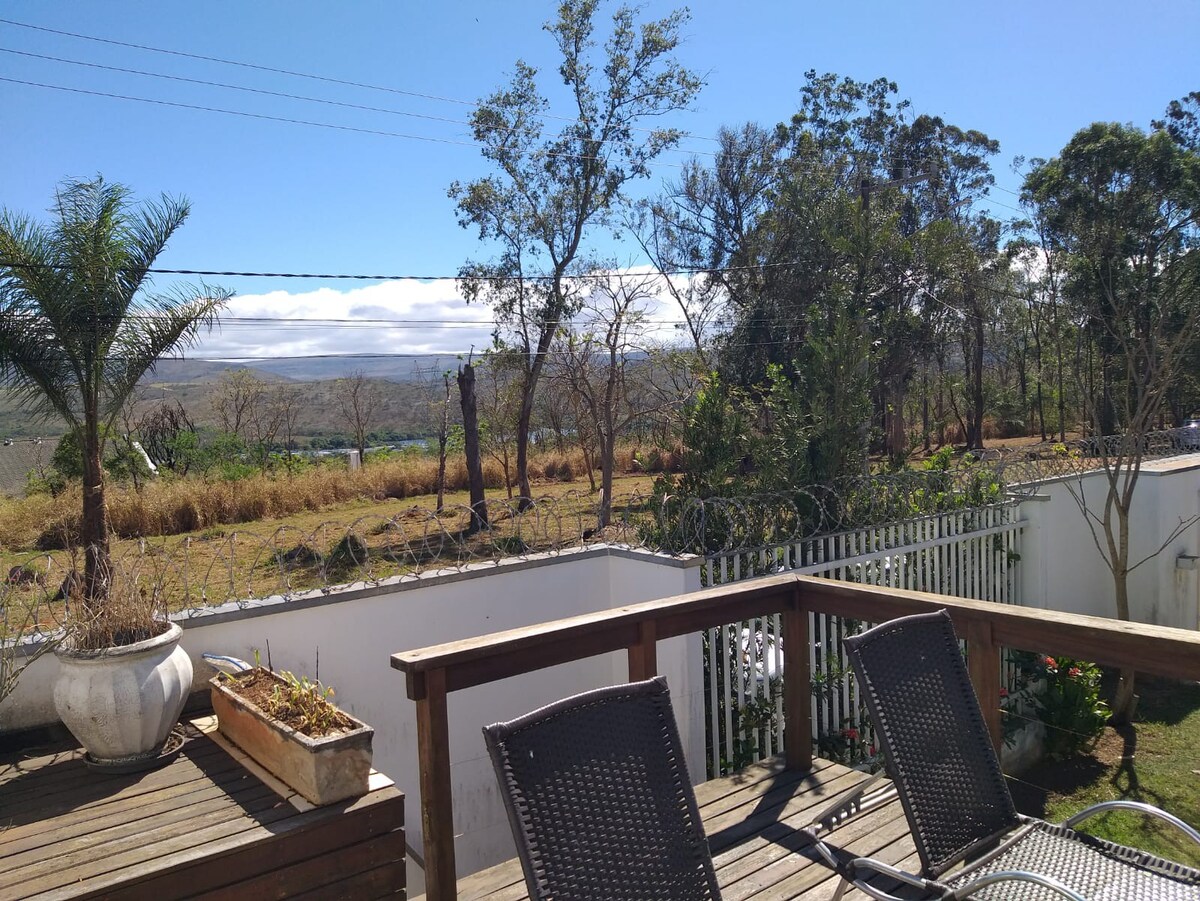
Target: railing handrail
{"points": [[1097, 638], [433, 672]]}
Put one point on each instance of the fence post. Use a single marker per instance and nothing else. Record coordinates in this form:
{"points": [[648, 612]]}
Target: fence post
{"points": [[983, 664], [437, 807], [643, 656], [797, 687]]}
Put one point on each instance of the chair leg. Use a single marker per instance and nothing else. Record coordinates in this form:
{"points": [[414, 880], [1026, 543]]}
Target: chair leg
{"points": [[843, 884]]}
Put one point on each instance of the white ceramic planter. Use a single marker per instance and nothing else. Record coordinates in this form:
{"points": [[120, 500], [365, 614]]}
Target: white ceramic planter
{"points": [[121, 703]]}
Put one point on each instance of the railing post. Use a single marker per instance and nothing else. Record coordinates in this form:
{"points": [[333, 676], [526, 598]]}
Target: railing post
{"points": [[983, 664], [797, 687], [643, 656], [437, 810]]}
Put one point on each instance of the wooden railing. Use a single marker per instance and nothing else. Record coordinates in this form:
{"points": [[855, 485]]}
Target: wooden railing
{"points": [[434, 672]]}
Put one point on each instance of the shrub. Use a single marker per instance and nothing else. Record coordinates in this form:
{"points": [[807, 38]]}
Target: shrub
{"points": [[348, 554], [1065, 694]]}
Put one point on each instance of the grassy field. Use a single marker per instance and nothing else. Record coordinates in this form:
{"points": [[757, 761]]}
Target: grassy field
{"points": [[310, 549], [1157, 760]]}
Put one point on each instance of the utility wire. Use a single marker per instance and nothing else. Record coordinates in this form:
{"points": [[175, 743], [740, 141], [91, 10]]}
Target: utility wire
{"points": [[307, 122], [287, 96], [683, 134], [291, 73]]}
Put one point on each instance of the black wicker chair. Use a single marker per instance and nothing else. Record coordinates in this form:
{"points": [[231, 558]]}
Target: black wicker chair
{"points": [[939, 756], [599, 799]]}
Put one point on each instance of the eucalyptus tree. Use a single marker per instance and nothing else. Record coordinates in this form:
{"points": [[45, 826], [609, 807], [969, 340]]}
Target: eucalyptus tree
{"points": [[1123, 209], [551, 187], [80, 324]]}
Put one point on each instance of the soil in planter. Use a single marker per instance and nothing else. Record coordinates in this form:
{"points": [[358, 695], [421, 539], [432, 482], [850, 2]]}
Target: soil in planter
{"points": [[275, 699]]}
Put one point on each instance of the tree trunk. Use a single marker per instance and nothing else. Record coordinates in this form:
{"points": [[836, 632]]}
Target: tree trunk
{"points": [[443, 435], [1124, 700], [466, 392], [97, 572], [976, 409], [608, 452], [897, 436], [523, 421]]}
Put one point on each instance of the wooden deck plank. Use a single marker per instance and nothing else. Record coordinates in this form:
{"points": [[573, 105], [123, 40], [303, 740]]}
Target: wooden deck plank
{"points": [[752, 820], [206, 822]]}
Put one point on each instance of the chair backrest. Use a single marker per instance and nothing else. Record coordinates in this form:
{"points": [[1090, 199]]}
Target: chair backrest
{"points": [[599, 799], [937, 749]]}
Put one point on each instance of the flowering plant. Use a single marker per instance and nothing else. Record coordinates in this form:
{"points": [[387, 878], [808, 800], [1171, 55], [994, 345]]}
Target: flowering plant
{"points": [[1065, 695]]}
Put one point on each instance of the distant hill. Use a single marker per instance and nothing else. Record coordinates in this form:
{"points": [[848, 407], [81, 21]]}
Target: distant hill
{"points": [[190, 382], [396, 368]]}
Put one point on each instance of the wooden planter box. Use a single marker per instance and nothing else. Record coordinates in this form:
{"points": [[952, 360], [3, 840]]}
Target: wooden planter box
{"points": [[323, 770]]}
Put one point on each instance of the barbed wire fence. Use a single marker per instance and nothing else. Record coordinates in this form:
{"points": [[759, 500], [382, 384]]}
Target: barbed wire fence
{"points": [[947, 529]]}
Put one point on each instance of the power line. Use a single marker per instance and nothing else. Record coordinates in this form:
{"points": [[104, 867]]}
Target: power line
{"points": [[287, 96], [289, 72], [682, 134], [264, 117], [424, 278], [236, 87]]}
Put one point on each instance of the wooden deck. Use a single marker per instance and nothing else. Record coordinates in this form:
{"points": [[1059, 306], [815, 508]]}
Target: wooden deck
{"points": [[210, 824], [751, 820]]}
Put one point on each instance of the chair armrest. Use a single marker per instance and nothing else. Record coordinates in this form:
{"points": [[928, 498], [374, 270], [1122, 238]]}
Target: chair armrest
{"points": [[1139, 806]]}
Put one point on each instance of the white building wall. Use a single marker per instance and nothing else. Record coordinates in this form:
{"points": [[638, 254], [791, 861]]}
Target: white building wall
{"points": [[356, 633], [1062, 569]]}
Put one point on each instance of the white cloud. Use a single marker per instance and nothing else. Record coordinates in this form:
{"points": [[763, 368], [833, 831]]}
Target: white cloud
{"points": [[424, 317]]}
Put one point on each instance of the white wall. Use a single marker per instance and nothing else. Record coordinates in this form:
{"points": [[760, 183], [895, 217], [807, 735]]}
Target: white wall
{"points": [[1061, 568], [356, 632]]}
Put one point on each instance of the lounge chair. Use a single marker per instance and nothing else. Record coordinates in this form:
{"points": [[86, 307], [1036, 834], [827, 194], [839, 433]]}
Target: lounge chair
{"points": [[940, 758], [599, 799]]}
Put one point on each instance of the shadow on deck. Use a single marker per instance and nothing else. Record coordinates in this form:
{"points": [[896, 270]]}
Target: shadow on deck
{"points": [[752, 820]]}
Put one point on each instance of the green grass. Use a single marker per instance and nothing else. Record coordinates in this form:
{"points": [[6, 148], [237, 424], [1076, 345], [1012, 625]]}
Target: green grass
{"points": [[1156, 760]]}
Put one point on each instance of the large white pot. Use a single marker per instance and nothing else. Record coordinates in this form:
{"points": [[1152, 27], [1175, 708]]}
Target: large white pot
{"points": [[121, 703]]}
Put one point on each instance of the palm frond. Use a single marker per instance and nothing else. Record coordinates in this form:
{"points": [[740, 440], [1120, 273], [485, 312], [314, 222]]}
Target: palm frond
{"points": [[158, 326]]}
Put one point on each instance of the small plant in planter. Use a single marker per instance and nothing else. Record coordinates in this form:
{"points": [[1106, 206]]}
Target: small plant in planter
{"points": [[289, 725]]}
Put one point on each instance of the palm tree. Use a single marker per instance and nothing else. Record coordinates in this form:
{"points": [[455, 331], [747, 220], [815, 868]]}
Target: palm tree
{"points": [[80, 325]]}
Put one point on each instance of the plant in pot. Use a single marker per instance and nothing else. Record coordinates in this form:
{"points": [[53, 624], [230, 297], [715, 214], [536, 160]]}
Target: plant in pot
{"points": [[80, 324], [289, 725]]}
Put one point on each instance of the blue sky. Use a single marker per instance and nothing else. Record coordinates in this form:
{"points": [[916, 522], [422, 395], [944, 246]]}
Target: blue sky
{"points": [[272, 196]]}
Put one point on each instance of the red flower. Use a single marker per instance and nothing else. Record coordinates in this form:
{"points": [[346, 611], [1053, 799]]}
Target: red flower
{"points": [[1004, 692], [1050, 662], [871, 750], [851, 734], [1073, 672]]}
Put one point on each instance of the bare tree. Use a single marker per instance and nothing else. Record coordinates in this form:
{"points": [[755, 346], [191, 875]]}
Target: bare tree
{"points": [[500, 399], [285, 401], [169, 436], [597, 356], [359, 400], [438, 385], [235, 401]]}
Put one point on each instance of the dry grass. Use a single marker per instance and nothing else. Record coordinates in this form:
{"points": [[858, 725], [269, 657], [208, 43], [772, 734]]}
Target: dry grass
{"points": [[310, 549], [188, 505]]}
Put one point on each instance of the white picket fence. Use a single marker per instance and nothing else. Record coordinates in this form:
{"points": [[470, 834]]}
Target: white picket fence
{"points": [[972, 553]]}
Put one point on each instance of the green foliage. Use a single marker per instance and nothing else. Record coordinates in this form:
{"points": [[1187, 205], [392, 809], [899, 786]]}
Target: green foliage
{"points": [[751, 721], [309, 702], [67, 459]]}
